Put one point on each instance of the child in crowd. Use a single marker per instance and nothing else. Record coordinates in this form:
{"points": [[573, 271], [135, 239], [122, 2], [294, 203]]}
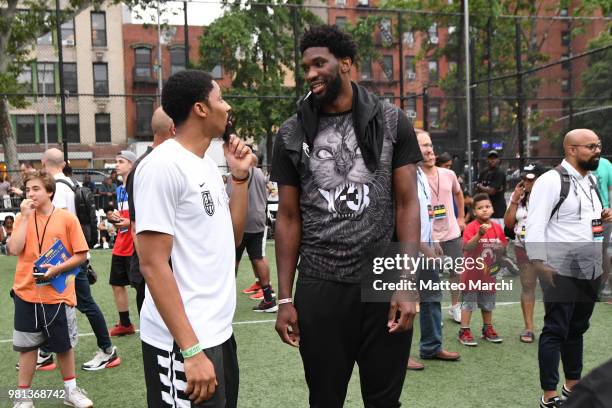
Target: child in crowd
{"points": [[484, 242], [44, 316]]}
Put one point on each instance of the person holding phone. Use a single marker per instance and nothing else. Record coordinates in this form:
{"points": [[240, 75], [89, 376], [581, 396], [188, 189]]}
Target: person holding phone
{"points": [[43, 316], [516, 219]]}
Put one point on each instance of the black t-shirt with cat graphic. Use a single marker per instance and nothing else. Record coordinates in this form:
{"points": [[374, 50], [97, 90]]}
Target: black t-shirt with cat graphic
{"points": [[345, 208]]}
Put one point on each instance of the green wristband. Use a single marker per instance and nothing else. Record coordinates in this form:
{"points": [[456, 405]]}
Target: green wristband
{"points": [[192, 351]]}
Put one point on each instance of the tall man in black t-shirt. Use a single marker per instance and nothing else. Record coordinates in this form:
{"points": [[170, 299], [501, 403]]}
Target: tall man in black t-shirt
{"points": [[345, 165], [493, 182]]}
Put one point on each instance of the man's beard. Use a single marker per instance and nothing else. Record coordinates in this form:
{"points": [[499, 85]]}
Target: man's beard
{"points": [[589, 165], [331, 92]]}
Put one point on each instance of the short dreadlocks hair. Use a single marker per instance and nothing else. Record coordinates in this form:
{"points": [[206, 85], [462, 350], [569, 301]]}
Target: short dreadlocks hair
{"points": [[337, 41]]}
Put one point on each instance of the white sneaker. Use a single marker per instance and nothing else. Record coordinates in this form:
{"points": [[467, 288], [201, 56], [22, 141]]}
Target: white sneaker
{"points": [[101, 360], [23, 404], [455, 313], [78, 399], [105, 245]]}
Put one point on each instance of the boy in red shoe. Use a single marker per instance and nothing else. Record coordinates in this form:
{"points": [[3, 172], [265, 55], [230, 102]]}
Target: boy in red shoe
{"points": [[44, 316], [484, 243]]}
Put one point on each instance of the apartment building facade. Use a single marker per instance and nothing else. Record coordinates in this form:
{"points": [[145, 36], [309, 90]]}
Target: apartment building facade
{"points": [[92, 48]]}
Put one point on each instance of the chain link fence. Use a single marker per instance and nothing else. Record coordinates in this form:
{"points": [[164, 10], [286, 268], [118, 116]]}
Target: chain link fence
{"points": [[527, 76]]}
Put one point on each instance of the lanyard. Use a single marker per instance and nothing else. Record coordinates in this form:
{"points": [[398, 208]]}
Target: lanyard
{"points": [[422, 185], [437, 190], [40, 240]]}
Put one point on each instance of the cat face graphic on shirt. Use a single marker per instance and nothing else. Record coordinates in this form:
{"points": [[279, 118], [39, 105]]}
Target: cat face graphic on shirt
{"points": [[339, 170]]}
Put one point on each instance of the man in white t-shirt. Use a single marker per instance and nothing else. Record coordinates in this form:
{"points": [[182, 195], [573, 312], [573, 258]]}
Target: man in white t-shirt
{"points": [[185, 214], [106, 356]]}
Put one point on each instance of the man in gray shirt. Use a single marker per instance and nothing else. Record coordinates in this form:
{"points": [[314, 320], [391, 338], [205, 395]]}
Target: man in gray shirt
{"points": [[254, 240]]}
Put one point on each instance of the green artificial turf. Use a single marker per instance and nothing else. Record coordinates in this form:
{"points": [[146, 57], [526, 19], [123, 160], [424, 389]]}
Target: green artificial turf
{"points": [[271, 372]]}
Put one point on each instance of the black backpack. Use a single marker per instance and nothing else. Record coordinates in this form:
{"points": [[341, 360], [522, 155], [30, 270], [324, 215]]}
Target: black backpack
{"points": [[85, 205], [565, 186]]}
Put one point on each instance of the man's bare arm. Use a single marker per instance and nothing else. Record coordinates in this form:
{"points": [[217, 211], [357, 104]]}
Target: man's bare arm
{"points": [[288, 232]]}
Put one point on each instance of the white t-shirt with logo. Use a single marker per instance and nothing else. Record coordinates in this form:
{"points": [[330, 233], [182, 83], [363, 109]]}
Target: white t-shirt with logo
{"points": [[181, 194]]}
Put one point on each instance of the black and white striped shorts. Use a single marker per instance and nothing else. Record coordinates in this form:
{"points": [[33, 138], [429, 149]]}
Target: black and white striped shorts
{"points": [[166, 381]]}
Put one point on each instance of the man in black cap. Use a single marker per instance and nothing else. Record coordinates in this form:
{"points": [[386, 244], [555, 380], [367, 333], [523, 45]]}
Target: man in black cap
{"points": [[493, 182]]}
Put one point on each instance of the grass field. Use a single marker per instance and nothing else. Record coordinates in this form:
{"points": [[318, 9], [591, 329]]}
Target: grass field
{"points": [[271, 373]]}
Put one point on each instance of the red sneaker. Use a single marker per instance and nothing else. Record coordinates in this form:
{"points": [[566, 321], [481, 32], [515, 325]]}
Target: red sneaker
{"points": [[489, 334], [120, 330], [466, 338], [257, 295], [252, 289]]}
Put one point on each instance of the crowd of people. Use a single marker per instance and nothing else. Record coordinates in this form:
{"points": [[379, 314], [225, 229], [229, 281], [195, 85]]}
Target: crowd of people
{"points": [[350, 173]]}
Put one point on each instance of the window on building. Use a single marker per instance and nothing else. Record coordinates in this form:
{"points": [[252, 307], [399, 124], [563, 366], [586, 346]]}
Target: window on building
{"points": [[564, 12], [365, 68], [363, 3], [566, 38], [411, 106], [144, 112], [340, 2], [410, 68], [566, 64], [495, 112], [73, 132], [142, 60], [408, 38], [68, 38], [103, 128], [25, 129], [24, 79], [100, 77], [388, 66], [432, 32], [70, 78], [177, 60], [98, 29], [217, 72], [389, 97], [47, 123], [386, 35], [432, 66], [47, 37], [452, 66], [565, 85], [434, 114], [46, 78], [341, 22]]}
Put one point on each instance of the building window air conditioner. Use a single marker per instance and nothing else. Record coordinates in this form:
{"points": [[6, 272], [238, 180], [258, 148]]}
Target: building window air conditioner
{"points": [[412, 114]]}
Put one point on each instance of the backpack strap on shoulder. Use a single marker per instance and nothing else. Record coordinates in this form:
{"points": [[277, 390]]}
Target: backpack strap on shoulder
{"points": [[596, 188], [72, 186], [565, 186]]}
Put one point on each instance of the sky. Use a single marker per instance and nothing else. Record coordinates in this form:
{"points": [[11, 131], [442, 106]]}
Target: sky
{"points": [[197, 13]]}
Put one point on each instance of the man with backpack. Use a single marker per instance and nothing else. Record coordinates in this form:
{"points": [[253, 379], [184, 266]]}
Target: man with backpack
{"points": [[78, 200], [565, 233]]}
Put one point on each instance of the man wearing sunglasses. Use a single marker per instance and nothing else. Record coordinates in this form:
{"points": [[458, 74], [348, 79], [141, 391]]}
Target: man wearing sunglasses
{"points": [[564, 245]]}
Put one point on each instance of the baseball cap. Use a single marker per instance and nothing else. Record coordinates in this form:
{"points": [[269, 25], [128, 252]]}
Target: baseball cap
{"points": [[493, 153], [127, 155], [531, 171]]}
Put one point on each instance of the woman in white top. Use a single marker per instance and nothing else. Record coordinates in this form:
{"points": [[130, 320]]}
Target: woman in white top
{"points": [[516, 219]]}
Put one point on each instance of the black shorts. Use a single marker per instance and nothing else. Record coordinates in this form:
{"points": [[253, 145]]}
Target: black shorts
{"points": [[50, 325], [120, 270], [135, 275], [166, 382], [255, 245]]}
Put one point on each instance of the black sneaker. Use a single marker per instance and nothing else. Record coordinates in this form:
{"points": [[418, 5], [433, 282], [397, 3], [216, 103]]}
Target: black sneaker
{"points": [[266, 307], [555, 402], [565, 393], [44, 362]]}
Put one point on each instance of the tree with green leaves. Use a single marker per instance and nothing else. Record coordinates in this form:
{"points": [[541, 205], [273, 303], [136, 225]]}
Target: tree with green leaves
{"points": [[597, 83], [254, 42]]}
